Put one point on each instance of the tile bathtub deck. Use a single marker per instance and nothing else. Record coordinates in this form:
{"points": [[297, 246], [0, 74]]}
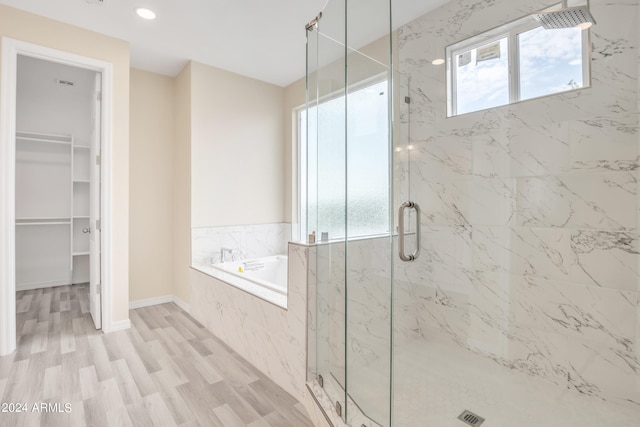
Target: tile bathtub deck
{"points": [[166, 370]]}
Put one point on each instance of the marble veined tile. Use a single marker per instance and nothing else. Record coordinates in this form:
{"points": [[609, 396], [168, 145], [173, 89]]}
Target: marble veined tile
{"points": [[530, 211], [600, 258], [491, 155], [601, 315], [602, 371], [538, 147], [463, 201], [599, 201], [604, 143], [251, 240], [446, 256], [606, 258], [542, 252], [442, 157]]}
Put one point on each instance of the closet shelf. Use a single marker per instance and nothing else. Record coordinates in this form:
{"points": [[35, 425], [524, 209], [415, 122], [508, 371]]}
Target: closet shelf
{"points": [[81, 181], [84, 253], [43, 221], [43, 137]]}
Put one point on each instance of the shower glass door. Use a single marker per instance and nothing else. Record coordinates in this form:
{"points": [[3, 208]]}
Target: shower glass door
{"points": [[520, 144], [522, 308]]}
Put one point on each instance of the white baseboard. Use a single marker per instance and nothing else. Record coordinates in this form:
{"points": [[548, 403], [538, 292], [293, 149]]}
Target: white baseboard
{"points": [[180, 303], [120, 325], [40, 285], [164, 299], [150, 301]]}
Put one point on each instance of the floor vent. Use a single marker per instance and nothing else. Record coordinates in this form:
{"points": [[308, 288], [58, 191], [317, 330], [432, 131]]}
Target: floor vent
{"points": [[471, 418]]}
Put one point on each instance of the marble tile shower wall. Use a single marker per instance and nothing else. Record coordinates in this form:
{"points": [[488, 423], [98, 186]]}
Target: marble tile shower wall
{"points": [[530, 211], [368, 310], [253, 240]]}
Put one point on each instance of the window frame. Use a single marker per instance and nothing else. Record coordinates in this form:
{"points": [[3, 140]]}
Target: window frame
{"points": [[510, 31]]}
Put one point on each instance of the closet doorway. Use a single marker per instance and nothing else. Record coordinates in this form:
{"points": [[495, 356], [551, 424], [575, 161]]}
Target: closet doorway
{"points": [[55, 178]]}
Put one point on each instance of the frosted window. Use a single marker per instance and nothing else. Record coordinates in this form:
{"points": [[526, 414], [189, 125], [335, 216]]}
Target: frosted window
{"points": [[368, 161], [345, 180]]}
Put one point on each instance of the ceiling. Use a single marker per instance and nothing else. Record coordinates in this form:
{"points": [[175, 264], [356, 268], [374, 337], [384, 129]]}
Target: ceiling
{"points": [[256, 38]]}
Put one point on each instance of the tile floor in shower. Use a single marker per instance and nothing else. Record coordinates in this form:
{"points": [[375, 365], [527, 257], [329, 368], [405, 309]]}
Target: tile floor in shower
{"points": [[435, 383]]}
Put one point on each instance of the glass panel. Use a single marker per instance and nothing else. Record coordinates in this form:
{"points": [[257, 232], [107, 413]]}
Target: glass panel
{"points": [[523, 306], [326, 199], [368, 158], [550, 61], [368, 290], [349, 192], [482, 77]]}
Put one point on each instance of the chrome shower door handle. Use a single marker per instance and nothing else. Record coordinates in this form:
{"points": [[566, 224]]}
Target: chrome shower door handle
{"points": [[404, 257]]}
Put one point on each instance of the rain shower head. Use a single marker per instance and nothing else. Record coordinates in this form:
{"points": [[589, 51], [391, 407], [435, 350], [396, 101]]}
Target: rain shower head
{"points": [[566, 17]]}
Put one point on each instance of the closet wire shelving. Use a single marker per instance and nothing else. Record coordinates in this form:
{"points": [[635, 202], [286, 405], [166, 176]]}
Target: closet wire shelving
{"points": [[76, 216]]}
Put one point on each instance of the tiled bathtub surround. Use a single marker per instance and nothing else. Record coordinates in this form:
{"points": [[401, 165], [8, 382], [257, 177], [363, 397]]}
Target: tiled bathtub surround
{"points": [[269, 337], [253, 240], [530, 211]]}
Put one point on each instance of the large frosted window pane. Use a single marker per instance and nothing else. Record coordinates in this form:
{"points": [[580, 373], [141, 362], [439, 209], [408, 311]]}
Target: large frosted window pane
{"points": [[326, 172], [329, 171], [368, 161]]}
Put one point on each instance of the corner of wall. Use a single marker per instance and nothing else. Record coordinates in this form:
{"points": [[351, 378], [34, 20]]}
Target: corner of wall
{"points": [[151, 175], [182, 184]]}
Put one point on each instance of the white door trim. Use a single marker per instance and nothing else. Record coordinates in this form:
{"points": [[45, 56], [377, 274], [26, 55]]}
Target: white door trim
{"points": [[10, 50]]}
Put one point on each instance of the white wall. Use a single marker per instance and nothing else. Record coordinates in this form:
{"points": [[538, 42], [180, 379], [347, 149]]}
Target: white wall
{"points": [[44, 106], [237, 149]]}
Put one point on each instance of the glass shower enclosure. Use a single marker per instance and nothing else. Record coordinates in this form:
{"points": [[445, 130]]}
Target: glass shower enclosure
{"points": [[349, 192], [472, 184]]}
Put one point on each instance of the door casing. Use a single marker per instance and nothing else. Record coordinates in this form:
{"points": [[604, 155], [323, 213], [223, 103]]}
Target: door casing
{"points": [[10, 50]]}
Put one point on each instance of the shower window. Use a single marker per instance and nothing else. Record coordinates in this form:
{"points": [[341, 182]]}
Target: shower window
{"points": [[367, 153], [515, 62], [550, 61]]}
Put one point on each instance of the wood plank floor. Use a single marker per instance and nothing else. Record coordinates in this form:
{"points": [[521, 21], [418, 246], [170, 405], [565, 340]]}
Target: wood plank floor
{"points": [[167, 370]]}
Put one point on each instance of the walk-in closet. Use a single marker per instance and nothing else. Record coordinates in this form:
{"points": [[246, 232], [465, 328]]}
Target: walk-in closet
{"points": [[55, 130]]}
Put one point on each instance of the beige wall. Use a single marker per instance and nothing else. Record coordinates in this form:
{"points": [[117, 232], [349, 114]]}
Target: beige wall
{"points": [[34, 29], [151, 185], [182, 185], [294, 97], [237, 149]]}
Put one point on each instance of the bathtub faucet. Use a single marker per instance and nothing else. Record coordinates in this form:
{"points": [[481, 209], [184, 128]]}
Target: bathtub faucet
{"points": [[233, 252]]}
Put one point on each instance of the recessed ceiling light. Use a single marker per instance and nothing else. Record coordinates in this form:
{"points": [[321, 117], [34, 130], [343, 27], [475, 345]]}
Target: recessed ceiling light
{"points": [[145, 13], [438, 61], [585, 25]]}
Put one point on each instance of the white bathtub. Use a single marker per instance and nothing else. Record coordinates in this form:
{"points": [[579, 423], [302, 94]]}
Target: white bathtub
{"points": [[265, 277], [269, 272]]}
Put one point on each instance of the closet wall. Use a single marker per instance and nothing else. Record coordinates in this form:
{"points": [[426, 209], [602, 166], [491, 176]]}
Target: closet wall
{"points": [[54, 128]]}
